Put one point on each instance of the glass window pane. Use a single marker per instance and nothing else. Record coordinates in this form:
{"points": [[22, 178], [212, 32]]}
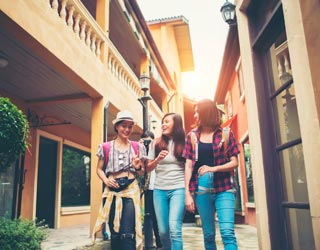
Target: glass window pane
{"points": [[237, 203], [75, 177], [300, 226], [240, 81], [286, 112], [248, 168], [7, 191], [294, 175]]}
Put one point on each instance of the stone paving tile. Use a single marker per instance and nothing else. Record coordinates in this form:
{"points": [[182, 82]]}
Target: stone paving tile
{"points": [[77, 238]]}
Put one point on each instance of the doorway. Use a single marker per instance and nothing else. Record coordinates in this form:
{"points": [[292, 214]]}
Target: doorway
{"points": [[46, 184]]}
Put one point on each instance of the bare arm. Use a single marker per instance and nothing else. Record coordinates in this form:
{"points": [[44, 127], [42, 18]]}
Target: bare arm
{"points": [[110, 182], [100, 171], [153, 163], [189, 201]]}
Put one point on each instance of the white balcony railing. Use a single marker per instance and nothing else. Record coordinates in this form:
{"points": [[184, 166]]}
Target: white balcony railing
{"points": [[78, 18], [121, 70], [283, 62]]}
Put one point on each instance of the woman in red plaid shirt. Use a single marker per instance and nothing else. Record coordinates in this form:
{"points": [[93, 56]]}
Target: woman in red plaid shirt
{"points": [[208, 175]]}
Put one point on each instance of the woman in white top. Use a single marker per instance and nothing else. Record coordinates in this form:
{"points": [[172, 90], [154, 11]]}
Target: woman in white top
{"points": [[165, 156]]}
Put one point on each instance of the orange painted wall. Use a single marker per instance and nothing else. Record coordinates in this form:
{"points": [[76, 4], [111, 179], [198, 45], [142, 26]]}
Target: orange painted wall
{"points": [[240, 129]]}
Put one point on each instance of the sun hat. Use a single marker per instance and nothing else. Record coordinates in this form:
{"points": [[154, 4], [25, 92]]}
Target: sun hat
{"points": [[124, 115]]}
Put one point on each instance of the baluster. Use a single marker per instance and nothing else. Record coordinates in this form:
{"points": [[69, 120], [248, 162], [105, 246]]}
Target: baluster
{"points": [[88, 37], [114, 66], [83, 25], [93, 43], [55, 5], [121, 74], [70, 16], [76, 27], [287, 63], [110, 61], [280, 67], [117, 70], [63, 12], [98, 51]]}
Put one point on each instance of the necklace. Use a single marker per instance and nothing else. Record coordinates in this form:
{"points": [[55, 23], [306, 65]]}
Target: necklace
{"points": [[121, 154]]}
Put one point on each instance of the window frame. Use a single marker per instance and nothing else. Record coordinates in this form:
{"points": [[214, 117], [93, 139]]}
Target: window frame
{"points": [[73, 209]]}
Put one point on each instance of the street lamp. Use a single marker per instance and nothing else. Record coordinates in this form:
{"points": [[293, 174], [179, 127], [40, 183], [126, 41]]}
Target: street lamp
{"points": [[145, 86], [228, 11], [154, 124]]}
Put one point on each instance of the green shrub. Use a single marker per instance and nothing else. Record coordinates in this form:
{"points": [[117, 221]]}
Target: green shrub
{"points": [[14, 132], [21, 234]]}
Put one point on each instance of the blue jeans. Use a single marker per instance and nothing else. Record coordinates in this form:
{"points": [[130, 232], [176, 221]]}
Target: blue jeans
{"points": [[169, 208], [208, 202]]}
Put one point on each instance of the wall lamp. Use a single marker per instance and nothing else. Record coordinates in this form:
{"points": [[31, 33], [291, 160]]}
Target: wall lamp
{"points": [[228, 11]]}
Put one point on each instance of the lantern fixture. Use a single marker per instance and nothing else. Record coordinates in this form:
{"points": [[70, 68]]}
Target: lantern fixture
{"points": [[228, 11]]}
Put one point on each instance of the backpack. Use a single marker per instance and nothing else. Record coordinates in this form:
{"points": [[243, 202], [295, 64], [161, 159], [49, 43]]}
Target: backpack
{"points": [[106, 149], [224, 141], [136, 146], [225, 138]]}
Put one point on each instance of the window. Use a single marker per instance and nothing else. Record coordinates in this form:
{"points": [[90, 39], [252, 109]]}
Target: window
{"points": [[75, 177], [289, 146], [236, 183], [240, 80], [229, 113], [248, 168], [7, 191]]}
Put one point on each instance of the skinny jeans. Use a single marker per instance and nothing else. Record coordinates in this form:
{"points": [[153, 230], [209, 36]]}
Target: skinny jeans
{"points": [[169, 210], [125, 238], [208, 202]]}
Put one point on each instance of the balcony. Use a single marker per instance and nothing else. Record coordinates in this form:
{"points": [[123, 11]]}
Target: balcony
{"points": [[58, 65]]}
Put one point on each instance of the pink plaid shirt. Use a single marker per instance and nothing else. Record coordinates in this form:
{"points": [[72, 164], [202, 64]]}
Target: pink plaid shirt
{"points": [[222, 180]]}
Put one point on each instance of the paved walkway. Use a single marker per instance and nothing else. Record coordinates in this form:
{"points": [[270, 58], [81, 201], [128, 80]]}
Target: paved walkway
{"points": [[77, 238]]}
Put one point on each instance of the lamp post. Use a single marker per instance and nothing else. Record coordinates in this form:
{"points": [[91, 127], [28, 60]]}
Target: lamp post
{"points": [[228, 11], [145, 86]]}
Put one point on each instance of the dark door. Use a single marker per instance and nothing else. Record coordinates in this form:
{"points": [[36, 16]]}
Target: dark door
{"points": [[46, 186]]}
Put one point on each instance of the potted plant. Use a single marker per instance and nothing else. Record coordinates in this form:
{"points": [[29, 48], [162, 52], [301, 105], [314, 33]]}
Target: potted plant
{"points": [[14, 132]]}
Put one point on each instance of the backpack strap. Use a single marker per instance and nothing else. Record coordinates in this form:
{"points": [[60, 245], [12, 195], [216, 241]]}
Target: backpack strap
{"points": [[136, 147], [106, 150], [225, 138]]}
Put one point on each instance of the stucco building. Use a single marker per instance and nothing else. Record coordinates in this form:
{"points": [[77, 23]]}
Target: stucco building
{"points": [[280, 56], [71, 66]]}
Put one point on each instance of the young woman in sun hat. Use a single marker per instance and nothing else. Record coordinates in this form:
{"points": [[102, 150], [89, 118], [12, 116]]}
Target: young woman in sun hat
{"points": [[121, 212]]}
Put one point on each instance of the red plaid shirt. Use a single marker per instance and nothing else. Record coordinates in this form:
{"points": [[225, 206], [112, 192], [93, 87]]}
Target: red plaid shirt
{"points": [[222, 180]]}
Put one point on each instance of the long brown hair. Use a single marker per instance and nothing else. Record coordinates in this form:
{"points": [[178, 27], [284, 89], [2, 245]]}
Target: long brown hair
{"points": [[209, 114], [178, 137]]}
